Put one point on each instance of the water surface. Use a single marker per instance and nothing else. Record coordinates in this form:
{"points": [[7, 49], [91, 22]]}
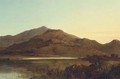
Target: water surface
{"points": [[34, 68]]}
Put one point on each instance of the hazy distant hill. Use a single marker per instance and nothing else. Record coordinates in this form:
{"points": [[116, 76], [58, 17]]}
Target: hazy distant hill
{"points": [[8, 40], [56, 42], [112, 47]]}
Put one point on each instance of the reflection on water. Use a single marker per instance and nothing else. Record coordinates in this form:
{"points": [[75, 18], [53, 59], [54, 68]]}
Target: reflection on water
{"points": [[50, 58], [7, 72], [12, 75], [37, 69]]}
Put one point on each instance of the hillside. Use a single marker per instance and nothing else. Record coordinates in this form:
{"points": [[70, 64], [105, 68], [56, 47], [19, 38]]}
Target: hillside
{"points": [[112, 47], [8, 40], [55, 42], [50, 42]]}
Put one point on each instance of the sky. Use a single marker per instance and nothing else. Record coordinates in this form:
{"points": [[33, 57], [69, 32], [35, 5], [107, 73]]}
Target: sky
{"points": [[93, 19]]}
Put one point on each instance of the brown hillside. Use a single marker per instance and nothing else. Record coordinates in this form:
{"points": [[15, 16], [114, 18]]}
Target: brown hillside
{"points": [[56, 42], [112, 47], [8, 40]]}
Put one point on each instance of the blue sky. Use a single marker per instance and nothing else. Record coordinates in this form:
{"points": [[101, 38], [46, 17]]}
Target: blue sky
{"points": [[93, 19]]}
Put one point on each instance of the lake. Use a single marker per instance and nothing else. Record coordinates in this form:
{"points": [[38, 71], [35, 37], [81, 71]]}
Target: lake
{"points": [[34, 68]]}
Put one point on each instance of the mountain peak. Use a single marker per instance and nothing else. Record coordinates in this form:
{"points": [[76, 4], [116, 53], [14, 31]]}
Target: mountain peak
{"points": [[6, 41], [115, 42], [54, 31], [42, 27]]}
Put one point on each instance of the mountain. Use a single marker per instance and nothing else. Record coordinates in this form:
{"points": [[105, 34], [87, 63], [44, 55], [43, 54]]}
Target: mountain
{"points": [[55, 42], [8, 40], [112, 47], [50, 42]]}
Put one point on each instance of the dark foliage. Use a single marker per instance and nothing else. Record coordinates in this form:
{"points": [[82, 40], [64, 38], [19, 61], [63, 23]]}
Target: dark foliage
{"points": [[98, 69]]}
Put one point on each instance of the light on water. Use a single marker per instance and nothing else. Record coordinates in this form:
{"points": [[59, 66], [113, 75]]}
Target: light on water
{"points": [[50, 58], [12, 75], [9, 72], [25, 68]]}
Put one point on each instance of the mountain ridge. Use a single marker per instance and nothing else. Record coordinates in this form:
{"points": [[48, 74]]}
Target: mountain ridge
{"points": [[8, 40], [58, 42]]}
